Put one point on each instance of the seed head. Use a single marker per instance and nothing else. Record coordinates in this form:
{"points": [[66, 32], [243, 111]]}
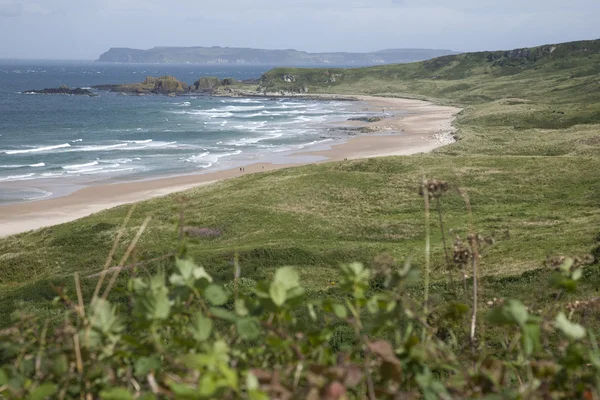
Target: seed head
{"points": [[435, 188]]}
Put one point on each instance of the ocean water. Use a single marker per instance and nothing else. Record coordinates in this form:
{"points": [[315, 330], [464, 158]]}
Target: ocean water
{"points": [[49, 141]]}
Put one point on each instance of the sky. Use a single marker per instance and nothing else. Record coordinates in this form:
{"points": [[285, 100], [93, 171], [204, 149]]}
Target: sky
{"points": [[84, 29]]}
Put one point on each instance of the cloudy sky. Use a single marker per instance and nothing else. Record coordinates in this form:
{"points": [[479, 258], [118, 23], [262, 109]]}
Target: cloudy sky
{"points": [[83, 29]]}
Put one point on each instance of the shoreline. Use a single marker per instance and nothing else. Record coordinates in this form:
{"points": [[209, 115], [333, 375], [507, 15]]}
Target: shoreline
{"points": [[423, 126]]}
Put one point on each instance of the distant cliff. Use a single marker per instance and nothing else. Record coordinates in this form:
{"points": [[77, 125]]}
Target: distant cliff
{"points": [[229, 55]]}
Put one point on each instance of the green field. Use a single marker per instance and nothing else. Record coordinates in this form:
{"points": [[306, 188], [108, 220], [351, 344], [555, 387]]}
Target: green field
{"points": [[527, 155]]}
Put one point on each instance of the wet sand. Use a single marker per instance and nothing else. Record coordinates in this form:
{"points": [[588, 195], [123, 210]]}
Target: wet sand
{"points": [[408, 127]]}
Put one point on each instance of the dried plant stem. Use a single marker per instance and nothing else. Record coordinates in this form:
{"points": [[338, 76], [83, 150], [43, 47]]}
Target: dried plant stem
{"points": [[113, 250], [78, 353], [81, 307], [237, 272], [114, 277], [38, 359], [446, 255], [474, 262], [131, 266], [427, 249], [474, 244]]}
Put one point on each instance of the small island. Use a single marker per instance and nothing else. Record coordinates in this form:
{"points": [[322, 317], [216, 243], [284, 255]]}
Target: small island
{"points": [[164, 85], [168, 85], [63, 89]]}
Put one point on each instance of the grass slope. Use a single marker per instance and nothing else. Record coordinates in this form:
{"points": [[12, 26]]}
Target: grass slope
{"points": [[528, 157]]}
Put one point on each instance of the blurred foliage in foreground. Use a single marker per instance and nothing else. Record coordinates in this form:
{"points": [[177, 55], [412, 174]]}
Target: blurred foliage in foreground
{"points": [[179, 334]]}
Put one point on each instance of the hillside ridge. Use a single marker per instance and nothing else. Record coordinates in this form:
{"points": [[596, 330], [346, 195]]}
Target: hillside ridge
{"points": [[239, 55]]}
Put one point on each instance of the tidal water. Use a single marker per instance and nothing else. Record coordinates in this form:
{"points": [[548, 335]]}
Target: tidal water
{"points": [[113, 137]]}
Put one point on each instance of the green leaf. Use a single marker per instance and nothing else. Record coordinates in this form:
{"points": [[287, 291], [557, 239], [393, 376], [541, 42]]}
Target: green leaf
{"points": [[208, 385], [248, 328], [105, 319], [44, 391], [3, 378], [252, 382], [339, 310], [577, 274], [240, 308], [311, 312], [189, 273], [152, 302], [59, 366], [277, 292], [572, 330], [223, 314], [201, 327], [287, 277], [230, 376], [181, 391], [116, 394], [373, 305], [531, 339], [144, 365], [215, 295], [257, 395], [512, 313], [565, 267]]}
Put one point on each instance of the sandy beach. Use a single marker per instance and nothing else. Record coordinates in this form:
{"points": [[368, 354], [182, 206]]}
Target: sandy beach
{"points": [[408, 127]]}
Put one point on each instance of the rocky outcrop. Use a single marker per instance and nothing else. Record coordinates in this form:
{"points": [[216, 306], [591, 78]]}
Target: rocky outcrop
{"points": [[366, 119], [166, 85], [228, 82], [206, 83], [289, 78], [63, 90]]}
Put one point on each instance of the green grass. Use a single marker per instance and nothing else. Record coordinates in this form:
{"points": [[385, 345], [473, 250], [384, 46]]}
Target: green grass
{"points": [[527, 155]]}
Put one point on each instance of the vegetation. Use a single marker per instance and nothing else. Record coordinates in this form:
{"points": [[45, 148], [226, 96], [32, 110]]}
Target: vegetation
{"points": [[177, 333], [209, 83], [521, 209]]}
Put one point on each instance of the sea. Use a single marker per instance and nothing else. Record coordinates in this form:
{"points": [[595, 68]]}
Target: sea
{"points": [[48, 142]]}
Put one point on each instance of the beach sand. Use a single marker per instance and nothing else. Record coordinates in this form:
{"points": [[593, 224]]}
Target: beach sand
{"points": [[409, 127]]}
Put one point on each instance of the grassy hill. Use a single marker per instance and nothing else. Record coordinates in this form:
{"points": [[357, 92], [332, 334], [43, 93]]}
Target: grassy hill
{"points": [[528, 156]]}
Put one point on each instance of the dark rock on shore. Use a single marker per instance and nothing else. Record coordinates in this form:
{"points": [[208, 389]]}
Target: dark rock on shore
{"points": [[366, 119], [63, 90]]}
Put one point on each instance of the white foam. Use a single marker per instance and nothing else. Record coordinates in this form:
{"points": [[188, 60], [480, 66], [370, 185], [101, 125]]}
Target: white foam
{"points": [[37, 165], [214, 113], [80, 166], [245, 101], [100, 147], [239, 109], [314, 143], [76, 140], [196, 158], [37, 149], [16, 177], [42, 194], [138, 141]]}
